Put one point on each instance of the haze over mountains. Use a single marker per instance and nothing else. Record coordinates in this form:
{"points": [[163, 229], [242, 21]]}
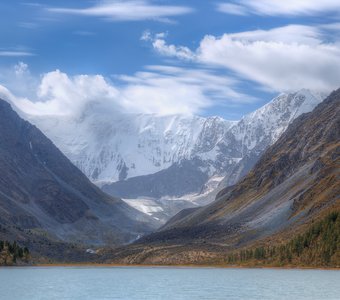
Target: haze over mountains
{"points": [[151, 160]]}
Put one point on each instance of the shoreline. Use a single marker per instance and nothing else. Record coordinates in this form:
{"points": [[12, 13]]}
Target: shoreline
{"points": [[108, 265]]}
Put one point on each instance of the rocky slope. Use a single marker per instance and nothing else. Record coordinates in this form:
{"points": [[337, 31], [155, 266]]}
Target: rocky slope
{"points": [[295, 182], [44, 198]]}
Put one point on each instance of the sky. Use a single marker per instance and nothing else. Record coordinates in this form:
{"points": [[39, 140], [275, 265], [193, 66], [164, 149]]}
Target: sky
{"points": [[224, 58]]}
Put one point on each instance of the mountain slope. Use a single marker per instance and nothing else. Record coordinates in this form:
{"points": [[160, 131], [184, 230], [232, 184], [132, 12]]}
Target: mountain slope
{"points": [[295, 182], [262, 128], [44, 196], [180, 179]]}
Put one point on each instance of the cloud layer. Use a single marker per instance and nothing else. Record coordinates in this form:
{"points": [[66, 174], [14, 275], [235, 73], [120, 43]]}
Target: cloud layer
{"points": [[280, 8], [161, 90], [280, 59], [129, 10]]}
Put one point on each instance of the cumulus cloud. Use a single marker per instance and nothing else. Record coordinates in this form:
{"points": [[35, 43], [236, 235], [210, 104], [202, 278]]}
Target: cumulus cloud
{"points": [[160, 45], [129, 10], [281, 59], [161, 90], [280, 8], [60, 94]]}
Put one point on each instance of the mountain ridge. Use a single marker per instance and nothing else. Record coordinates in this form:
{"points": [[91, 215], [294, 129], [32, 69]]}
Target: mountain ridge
{"points": [[294, 183], [143, 154], [44, 197], [189, 136]]}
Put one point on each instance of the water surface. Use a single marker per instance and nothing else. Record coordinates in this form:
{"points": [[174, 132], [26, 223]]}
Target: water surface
{"points": [[41, 283]]}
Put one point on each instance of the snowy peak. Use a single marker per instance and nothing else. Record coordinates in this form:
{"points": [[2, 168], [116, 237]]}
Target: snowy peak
{"points": [[112, 147], [254, 133], [109, 145], [271, 120]]}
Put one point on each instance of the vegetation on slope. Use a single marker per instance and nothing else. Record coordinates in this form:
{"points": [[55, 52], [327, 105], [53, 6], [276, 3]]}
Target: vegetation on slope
{"points": [[12, 253], [319, 246]]}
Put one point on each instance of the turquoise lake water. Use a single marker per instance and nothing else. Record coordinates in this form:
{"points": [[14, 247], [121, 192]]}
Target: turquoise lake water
{"points": [[131, 283]]}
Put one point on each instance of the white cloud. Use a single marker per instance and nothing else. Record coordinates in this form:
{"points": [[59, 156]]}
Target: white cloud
{"points": [[19, 79], [290, 34], [161, 90], [171, 50], [280, 8], [60, 94], [5, 94], [147, 36], [232, 8], [170, 90], [16, 53], [281, 59], [163, 48], [129, 10], [21, 69]]}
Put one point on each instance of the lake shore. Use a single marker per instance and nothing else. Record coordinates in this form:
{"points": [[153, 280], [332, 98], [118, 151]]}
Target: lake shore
{"points": [[108, 265]]}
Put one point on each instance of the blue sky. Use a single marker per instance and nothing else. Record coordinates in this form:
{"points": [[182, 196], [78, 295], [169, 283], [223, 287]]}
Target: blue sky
{"points": [[205, 57]]}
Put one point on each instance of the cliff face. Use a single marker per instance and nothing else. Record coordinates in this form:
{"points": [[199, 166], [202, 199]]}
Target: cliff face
{"points": [[44, 197], [296, 181]]}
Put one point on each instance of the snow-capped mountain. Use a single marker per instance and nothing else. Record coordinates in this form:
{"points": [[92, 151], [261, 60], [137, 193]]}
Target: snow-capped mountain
{"points": [[221, 149], [110, 147], [139, 155], [255, 132]]}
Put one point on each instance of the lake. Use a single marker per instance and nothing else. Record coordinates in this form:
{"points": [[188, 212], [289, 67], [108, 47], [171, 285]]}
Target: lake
{"points": [[33, 283]]}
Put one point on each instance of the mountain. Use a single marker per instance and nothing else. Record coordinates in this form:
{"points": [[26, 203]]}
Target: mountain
{"points": [[109, 146], [162, 158], [295, 183], [44, 198], [230, 155]]}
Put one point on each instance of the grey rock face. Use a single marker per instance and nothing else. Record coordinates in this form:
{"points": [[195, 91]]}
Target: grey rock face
{"points": [[179, 179]]}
